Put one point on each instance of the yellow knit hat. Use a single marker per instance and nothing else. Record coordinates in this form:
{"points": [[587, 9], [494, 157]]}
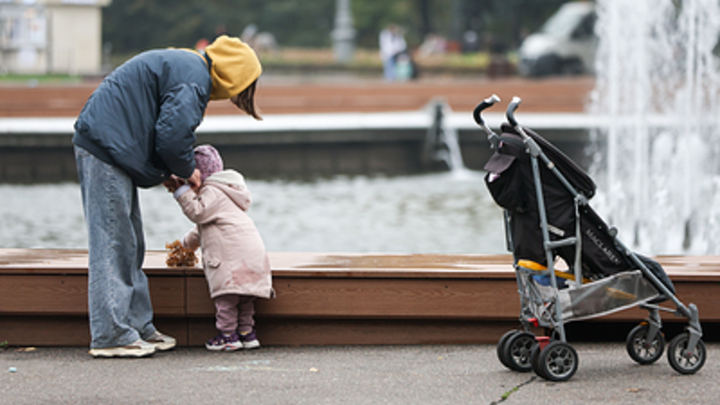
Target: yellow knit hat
{"points": [[234, 67]]}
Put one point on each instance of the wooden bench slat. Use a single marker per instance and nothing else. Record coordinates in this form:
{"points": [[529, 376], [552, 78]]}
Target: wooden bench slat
{"points": [[321, 298]]}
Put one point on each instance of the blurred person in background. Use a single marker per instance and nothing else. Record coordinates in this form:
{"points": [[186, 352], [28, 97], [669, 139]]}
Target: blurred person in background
{"points": [[392, 45]]}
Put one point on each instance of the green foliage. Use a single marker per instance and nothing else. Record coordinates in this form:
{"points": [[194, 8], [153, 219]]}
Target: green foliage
{"points": [[35, 80], [136, 25], [299, 24], [507, 394]]}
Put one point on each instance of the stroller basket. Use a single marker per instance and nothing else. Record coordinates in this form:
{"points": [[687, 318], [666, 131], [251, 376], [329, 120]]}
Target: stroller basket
{"points": [[612, 294], [548, 218]]}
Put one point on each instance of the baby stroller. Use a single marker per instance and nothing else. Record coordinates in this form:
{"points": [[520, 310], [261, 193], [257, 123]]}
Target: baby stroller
{"points": [[547, 218]]}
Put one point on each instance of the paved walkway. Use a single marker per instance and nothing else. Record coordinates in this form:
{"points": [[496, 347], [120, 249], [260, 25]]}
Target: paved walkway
{"points": [[432, 374]]}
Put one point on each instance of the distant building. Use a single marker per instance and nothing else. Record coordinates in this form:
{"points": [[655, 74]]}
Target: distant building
{"points": [[51, 36]]}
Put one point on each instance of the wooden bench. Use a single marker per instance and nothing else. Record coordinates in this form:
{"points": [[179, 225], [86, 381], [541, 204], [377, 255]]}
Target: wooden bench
{"points": [[322, 299]]}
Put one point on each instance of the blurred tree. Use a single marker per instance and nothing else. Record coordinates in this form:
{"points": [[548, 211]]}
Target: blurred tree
{"points": [[299, 23], [136, 25], [426, 26], [510, 20]]}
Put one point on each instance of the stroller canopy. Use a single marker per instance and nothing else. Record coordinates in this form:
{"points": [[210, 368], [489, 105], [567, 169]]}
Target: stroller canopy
{"points": [[512, 147]]}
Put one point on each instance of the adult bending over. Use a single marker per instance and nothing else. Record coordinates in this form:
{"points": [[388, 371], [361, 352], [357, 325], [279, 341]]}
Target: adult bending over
{"points": [[136, 130]]}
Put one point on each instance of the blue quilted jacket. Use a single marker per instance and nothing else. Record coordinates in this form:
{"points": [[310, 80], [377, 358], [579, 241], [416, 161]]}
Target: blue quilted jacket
{"points": [[143, 116]]}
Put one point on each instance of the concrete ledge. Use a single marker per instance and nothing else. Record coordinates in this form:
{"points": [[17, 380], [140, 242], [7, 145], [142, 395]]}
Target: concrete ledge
{"points": [[36, 150], [319, 122], [322, 299]]}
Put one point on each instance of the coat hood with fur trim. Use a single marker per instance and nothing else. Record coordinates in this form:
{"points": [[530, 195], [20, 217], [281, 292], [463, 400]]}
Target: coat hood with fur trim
{"points": [[233, 185]]}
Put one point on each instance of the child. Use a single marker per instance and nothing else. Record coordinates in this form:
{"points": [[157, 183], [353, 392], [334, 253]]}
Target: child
{"points": [[234, 259]]}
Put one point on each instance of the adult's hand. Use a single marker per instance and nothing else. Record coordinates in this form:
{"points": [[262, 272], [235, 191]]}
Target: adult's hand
{"points": [[173, 182], [194, 180]]}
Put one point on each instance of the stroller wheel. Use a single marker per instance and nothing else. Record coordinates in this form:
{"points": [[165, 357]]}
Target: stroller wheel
{"points": [[558, 361], [517, 348], [681, 360], [535, 361], [640, 349], [503, 355]]}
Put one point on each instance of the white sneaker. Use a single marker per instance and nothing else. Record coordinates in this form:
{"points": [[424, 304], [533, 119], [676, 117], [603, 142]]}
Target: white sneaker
{"points": [[223, 343], [139, 348], [249, 340], [161, 341]]}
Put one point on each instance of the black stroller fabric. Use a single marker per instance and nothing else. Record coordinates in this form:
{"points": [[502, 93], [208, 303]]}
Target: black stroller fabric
{"points": [[511, 183]]}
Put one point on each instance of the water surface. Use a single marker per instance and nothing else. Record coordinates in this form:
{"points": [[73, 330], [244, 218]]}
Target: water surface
{"points": [[431, 213]]}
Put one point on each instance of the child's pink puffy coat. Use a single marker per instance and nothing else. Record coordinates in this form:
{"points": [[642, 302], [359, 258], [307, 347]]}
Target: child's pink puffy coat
{"points": [[233, 253]]}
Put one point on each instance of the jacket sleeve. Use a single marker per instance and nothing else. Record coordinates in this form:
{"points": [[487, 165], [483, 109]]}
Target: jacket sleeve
{"points": [[202, 207], [181, 111], [191, 240]]}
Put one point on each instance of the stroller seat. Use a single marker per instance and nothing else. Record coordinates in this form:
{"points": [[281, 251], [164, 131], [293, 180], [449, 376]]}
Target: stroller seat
{"points": [[540, 268], [510, 180]]}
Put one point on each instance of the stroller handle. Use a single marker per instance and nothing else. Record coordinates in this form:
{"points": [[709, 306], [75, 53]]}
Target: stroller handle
{"points": [[488, 102], [510, 113]]}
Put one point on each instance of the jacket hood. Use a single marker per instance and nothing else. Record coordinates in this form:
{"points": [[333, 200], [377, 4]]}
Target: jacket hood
{"points": [[234, 67], [233, 185]]}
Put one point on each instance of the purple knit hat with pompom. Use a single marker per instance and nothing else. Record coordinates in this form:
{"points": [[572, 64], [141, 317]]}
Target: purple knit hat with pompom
{"points": [[207, 160]]}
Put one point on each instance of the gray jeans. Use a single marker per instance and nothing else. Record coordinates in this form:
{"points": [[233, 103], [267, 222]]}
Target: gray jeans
{"points": [[118, 295]]}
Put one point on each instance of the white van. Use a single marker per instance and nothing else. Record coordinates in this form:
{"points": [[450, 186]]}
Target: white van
{"points": [[565, 44]]}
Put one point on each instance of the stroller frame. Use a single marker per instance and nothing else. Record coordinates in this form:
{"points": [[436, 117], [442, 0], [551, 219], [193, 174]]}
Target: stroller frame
{"points": [[522, 351]]}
